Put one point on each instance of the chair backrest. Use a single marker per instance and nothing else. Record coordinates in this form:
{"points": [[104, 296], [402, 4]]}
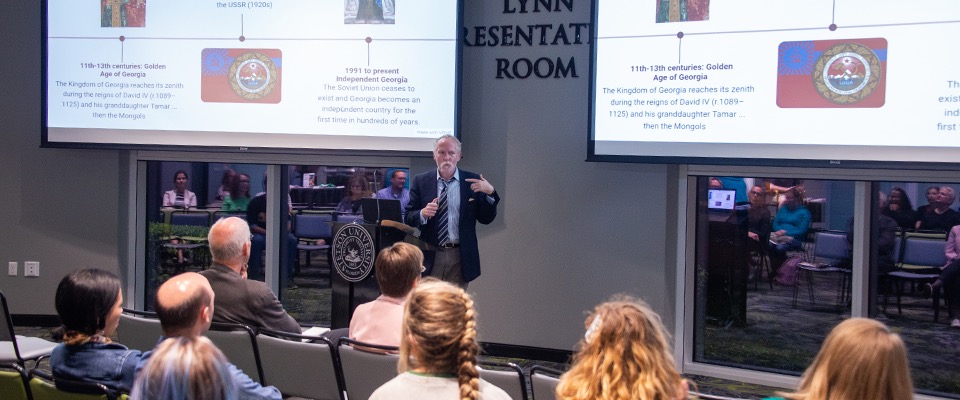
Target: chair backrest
{"points": [[42, 387], [190, 218], [218, 215], [15, 349], [139, 331], [6, 323], [313, 226], [297, 368], [543, 382], [506, 376], [831, 246], [9, 351], [13, 382], [364, 371], [897, 249], [921, 253], [239, 344]]}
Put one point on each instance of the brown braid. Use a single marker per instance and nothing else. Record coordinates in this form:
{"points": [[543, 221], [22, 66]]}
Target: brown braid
{"points": [[467, 375]]}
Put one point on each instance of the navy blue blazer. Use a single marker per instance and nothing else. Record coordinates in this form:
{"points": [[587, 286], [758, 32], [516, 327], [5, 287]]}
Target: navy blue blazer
{"points": [[474, 208]]}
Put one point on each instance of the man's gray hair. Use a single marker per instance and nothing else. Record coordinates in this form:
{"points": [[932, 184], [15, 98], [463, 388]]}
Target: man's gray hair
{"points": [[447, 136], [227, 237]]}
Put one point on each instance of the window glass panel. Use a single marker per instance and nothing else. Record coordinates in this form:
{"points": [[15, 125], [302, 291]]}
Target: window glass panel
{"points": [[333, 192], [914, 259], [182, 200], [756, 305]]}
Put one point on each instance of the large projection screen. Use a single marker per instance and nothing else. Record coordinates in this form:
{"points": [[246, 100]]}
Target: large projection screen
{"points": [[814, 82], [352, 75]]}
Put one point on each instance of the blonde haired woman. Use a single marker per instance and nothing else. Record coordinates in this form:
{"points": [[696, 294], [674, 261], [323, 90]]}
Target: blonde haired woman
{"points": [[438, 353], [860, 359], [186, 367], [624, 355]]}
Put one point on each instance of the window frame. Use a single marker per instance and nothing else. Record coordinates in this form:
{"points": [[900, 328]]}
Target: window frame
{"points": [[686, 192]]}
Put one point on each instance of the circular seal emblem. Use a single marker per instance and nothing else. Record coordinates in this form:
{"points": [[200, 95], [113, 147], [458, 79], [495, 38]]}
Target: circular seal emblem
{"points": [[253, 75], [353, 251], [846, 73]]}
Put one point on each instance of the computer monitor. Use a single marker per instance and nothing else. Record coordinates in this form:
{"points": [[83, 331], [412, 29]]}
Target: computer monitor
{"points": [[376, 210], [721, 199]]}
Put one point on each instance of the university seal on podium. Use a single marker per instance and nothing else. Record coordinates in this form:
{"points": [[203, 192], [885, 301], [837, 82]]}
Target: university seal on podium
{"points": [[253, 75], [353, 252], [846, 73]]}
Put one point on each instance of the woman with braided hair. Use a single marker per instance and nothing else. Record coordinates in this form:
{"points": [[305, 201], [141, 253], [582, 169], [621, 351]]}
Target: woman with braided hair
{"points": [[438, 353], [624, 355], [88, 302]]}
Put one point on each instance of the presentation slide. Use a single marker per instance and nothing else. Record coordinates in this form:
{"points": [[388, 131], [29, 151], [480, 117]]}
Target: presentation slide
{"points": [[339, 74], [812, 79]]}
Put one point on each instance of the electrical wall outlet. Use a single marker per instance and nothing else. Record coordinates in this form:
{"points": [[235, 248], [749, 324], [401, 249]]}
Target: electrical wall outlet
{"points": [[12, 268], [31, 268]]}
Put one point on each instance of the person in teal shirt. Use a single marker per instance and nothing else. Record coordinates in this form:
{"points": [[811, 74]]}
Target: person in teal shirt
{"points": [[790, 227]]}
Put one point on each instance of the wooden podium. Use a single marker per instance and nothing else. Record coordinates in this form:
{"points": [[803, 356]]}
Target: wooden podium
{"points": [[353, 251]]}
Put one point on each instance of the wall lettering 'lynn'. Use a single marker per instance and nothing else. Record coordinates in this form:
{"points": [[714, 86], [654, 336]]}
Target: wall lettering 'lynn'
{"points": [[530, 35]]}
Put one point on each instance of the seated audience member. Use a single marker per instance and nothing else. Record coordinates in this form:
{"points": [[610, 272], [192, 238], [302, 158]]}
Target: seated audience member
{"points": [[188, 367], [239, 300], [438, 353], [185, 306], [88, 302], [860, 359], [949, 277], [899, 208], [257, 218], [239, 196], [229, 176], [715, 183], [758, 217], [939, 216], [624, 354], [398, 270], [357, 188], [931, 196], [790, 227], [397, 190], [179, 197], [737, 184]]}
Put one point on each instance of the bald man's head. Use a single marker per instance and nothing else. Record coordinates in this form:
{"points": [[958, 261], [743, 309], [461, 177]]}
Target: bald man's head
{"points": [[229, 240], [185, 305]]}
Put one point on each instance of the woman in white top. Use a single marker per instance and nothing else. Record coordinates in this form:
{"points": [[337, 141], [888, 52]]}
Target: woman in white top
{"points": [[180, 197], [438, 353]]}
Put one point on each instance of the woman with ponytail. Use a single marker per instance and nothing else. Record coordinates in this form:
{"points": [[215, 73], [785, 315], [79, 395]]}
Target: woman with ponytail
{"points": [[88, 302], [438, 353]]}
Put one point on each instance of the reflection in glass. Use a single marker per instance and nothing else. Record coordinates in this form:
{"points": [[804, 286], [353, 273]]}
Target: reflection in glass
{"points": [[184, 198], [922, 252], [756, 306]]}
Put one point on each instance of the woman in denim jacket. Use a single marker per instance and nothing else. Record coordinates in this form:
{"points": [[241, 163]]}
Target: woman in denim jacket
{"points": [[88, 302]]}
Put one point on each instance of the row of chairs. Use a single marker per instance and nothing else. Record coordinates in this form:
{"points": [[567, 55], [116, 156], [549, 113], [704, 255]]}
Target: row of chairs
{"points": [[17, 383], [314, 367], [206, 218], [917, 257]]}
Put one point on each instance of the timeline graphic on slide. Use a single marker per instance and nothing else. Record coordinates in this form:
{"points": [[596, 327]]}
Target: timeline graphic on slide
{"points": [[340, 67], [811, 72]]}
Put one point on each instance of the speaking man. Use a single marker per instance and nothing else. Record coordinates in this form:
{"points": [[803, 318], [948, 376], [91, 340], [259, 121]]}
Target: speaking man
{"points": [[446, 205]]}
